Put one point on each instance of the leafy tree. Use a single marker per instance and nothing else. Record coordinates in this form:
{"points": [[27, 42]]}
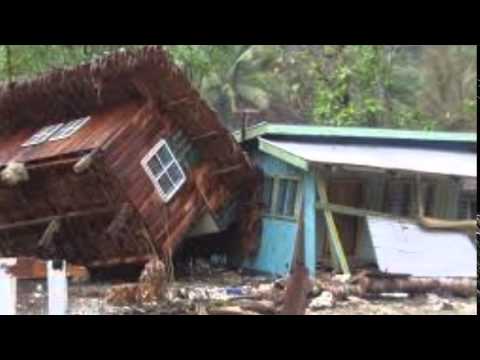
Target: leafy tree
{"points": [[418, 87]]}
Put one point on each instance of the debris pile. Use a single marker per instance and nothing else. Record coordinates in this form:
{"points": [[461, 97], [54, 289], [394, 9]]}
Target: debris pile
{"points": [[152, 287], [212, 289]]}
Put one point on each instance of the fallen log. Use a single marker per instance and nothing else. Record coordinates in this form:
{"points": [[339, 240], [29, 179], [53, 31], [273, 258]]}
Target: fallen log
{"points": [[263, 307], [230, 311], [367, 286]]}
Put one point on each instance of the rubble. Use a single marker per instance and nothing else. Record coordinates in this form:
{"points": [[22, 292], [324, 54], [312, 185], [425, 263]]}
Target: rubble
{"points": [[438, 304], [324, 301], [246, 295], [152, 287]]}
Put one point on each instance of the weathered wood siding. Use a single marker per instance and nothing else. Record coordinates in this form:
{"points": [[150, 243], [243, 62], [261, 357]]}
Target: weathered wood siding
{"points": [[84, 204], [168, 222]]}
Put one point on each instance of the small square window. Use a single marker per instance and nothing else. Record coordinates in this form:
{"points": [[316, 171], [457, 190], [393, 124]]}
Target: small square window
{"points": [[164, 170], [284, 192]]}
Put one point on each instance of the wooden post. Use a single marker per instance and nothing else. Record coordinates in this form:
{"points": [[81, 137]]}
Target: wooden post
{"points": [[335, 242], [57, 287], [310, 224], [8, 293]]}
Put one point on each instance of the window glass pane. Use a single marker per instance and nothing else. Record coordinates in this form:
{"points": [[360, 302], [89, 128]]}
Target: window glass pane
{"points": [[155, 166], [175, 174], [43, 135], [281, 197], [165, 184], [291, 199], [69, 129], [268, 194], [165, 156]]}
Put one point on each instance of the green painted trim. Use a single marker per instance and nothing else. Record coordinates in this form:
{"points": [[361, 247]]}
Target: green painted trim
{"points": [[283, 155], [354, 132], [335, 240], [252, 132]]}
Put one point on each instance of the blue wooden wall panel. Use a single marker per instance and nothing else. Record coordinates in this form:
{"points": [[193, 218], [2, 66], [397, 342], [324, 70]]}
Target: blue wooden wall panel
{"points": [[277, 247]]}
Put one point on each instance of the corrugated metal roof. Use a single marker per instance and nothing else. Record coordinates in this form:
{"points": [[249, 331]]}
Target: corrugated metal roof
{"points": [[406, 248], [94, 134], [430, 161], [355, 132]]}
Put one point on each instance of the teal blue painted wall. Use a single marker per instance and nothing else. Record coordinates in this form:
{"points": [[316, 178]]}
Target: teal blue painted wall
{"points": [[277, 248]]}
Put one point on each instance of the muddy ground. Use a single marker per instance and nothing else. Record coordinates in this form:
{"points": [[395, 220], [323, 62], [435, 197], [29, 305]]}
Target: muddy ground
{"points": [[193, 295]]}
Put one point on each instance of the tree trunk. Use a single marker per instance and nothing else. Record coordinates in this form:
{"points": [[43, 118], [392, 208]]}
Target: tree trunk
{"points": [[364, 286]]}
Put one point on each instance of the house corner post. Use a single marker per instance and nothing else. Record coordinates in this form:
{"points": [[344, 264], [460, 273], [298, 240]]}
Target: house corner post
{"points": [[309, 223]]}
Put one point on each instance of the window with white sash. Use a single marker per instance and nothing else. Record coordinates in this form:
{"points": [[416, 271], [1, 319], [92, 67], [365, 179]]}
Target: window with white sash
{"points": [[164, 171], [56, 132]]}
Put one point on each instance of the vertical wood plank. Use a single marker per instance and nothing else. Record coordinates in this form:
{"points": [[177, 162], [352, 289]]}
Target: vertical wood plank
{"points": [[335, 242]]}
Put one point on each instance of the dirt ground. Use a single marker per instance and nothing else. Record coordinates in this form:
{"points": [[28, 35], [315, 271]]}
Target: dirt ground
{"points": [[193, 295]]}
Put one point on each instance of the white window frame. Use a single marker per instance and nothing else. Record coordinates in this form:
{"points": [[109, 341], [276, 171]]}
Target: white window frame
{"points": [[154, 178], [56, 132], [69, 129], [42, 135]]}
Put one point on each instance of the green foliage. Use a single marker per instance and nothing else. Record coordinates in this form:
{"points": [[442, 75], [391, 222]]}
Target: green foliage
{"points": [[417, 87]]}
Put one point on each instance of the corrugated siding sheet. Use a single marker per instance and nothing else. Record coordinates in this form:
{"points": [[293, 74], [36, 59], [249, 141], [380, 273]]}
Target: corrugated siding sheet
{"points": [[406, 248], [430, 161]]}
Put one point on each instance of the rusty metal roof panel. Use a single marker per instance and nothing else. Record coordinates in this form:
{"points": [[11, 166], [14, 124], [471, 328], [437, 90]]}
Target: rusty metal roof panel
{"points": [[406, 248]]}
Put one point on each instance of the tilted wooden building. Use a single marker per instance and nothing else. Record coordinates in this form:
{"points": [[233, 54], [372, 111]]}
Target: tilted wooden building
{"points": [[114, 161]]}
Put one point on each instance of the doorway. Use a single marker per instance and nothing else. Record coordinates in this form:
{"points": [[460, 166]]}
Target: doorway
{"points": [[347, 193]]}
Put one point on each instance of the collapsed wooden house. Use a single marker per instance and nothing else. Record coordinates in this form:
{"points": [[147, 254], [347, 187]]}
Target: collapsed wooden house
{"points": [[402, 201], [115, 161]]}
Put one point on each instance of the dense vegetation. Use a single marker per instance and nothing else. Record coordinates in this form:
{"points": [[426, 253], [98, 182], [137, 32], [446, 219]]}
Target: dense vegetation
{"points": [[417, 87]]}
